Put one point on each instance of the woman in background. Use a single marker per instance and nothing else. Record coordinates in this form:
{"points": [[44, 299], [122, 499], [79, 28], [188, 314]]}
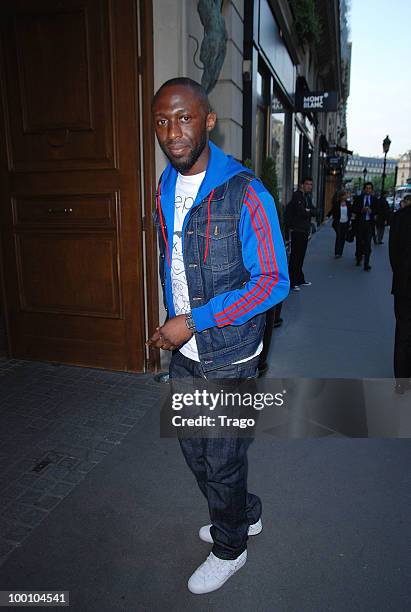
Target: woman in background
{"points": [[341, 214]]}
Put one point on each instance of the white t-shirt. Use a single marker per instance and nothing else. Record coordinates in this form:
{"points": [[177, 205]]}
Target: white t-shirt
{"points": [[343, 213], [186, 192]]}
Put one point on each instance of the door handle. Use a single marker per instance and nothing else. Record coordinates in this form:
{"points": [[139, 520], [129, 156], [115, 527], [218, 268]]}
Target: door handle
{"points": [[60, 210]]}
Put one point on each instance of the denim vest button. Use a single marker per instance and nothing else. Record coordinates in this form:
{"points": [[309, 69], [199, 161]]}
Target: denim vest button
{"points": [[189, 232], [192, 265]]}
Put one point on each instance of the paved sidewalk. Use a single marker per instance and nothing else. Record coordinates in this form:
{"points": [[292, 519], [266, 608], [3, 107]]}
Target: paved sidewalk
{"points": [[112, 512], [341, 326]]}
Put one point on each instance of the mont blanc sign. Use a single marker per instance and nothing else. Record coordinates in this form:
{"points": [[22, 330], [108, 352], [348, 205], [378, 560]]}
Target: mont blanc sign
{"points": [[317, 101]]}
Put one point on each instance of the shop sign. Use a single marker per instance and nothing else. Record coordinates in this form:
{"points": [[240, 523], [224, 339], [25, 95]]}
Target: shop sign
{"points": [[317, 101]]}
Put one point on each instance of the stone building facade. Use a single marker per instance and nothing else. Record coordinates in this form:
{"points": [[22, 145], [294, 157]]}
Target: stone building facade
{"points": [[404, 169]]}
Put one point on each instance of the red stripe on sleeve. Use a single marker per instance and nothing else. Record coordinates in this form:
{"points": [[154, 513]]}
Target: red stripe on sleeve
{"points": [[249, 294]]}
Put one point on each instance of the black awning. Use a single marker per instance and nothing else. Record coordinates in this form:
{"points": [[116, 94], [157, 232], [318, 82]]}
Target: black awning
{"points": [[344, 150]]}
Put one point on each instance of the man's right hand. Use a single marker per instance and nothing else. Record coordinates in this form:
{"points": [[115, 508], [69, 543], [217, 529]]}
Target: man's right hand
{"points": [[158, 341]]}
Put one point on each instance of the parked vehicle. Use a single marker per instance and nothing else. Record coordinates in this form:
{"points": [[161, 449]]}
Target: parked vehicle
{"points": [[400, 194]]}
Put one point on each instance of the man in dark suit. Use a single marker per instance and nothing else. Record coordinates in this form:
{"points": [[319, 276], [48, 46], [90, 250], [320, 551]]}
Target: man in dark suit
{"points": [[298, 219], [400, 259], [382, 216], [364, 209]]}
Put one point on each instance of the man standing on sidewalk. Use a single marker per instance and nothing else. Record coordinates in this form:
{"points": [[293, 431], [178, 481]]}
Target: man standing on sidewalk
{"points": [[382, 216], [364, 208], [298, 219], [222, 266], [400, 259]]}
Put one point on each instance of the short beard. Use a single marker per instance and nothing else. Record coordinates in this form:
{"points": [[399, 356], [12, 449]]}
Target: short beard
{"points": [[184, 166]]}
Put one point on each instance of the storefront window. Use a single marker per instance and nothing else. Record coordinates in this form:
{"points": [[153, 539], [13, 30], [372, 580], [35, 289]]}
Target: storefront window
{"points": [[297, 149], [260, 128], [261, 120], [278, 141]]}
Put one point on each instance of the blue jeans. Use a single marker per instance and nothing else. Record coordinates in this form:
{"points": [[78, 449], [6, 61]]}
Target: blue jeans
{"points": [[220, 467]]}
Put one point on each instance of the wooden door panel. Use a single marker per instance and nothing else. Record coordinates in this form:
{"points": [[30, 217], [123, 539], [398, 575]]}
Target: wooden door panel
{"points": [[66, 210], [61, 114], [65, 339], [70, 205], [68, 272]]}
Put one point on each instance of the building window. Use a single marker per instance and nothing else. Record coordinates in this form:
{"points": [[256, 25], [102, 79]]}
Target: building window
{"points": [[261, 124], [277, 144], [297, 150]]}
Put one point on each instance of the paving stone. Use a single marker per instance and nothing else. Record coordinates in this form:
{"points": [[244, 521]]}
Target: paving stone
{"points": [[96, 456], [14, 491], [17, 533], [74, 477], [62, 488], [85, 466], [105, 446], [4, 526], [47, 502], [32, 516], [26, 464], [27, 480], [54, 456], [5, 547], [123, 429], [114, 437], [43, 484], [77, 452], [69, 463], [30, 497], [128, 421]]}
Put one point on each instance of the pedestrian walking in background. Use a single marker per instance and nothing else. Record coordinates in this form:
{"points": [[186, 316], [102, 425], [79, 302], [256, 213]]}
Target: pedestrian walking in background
{"points": [[400, 259], [341, 214], [364, 208], [298, 220], [382, 216]]}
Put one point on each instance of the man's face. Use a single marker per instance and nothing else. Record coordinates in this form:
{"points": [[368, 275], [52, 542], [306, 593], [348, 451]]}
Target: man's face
{"points": [[182, 124], [368, 189], [307, 186]]}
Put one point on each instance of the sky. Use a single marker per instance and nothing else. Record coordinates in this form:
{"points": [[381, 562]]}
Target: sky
{"points": [[380, 92]]}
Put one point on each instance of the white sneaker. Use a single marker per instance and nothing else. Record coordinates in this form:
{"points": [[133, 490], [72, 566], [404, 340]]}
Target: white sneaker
{"points": [[214, 572], [205, 533]]}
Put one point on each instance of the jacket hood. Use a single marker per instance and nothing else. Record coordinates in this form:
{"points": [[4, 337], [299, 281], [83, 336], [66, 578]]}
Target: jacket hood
{"points": [[220, 168]]}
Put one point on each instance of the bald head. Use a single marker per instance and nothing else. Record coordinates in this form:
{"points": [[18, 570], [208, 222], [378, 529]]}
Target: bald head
{"points": [[194, 89]]}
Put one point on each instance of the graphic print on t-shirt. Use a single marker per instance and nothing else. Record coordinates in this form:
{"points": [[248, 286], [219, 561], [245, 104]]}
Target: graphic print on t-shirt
{"points": [[182, 204], [186, 193]]}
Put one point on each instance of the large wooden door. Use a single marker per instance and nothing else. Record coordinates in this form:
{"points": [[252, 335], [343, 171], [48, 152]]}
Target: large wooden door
{"points": [[70, 199]]}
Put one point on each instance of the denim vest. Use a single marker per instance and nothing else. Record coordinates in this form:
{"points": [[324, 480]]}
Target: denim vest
{"points": [[223, 270]]}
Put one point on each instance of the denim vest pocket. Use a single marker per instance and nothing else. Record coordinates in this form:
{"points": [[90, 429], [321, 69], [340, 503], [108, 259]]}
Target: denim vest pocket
{"points": [[224, 247]]}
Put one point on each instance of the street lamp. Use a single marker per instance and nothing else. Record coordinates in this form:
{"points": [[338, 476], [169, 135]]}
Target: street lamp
{"points": [[385, 147], [365, 172]]}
